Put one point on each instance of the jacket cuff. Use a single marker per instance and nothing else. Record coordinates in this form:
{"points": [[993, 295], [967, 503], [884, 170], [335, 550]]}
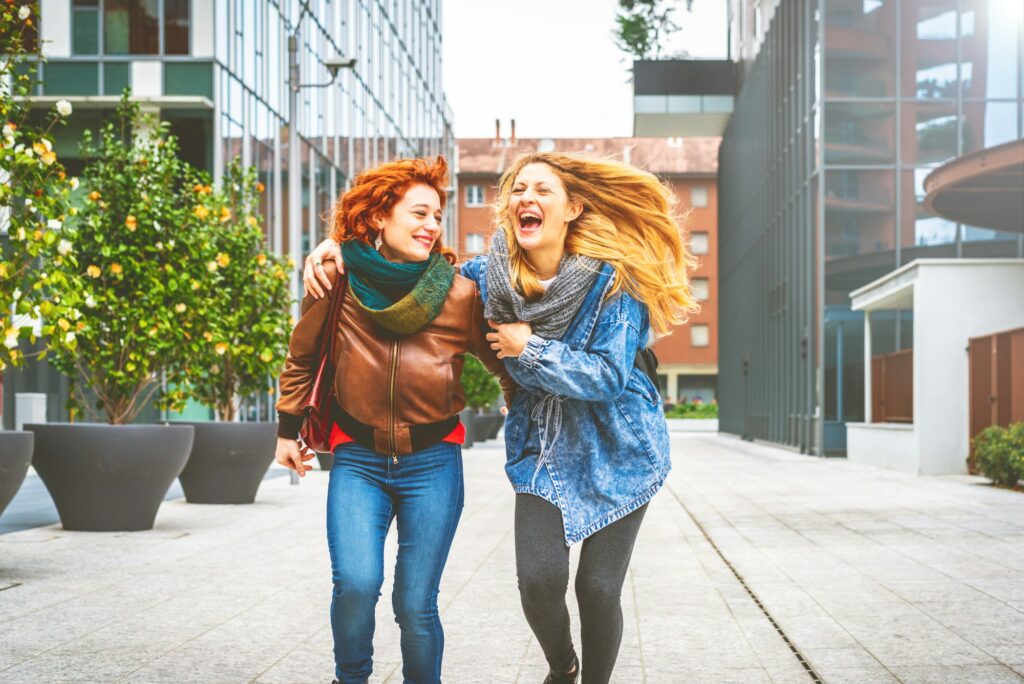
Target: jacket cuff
{"points": [[532, 351], [288, 426]]}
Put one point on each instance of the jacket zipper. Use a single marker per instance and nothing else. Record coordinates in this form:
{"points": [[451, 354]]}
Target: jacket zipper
{"points": [[395, 345]]}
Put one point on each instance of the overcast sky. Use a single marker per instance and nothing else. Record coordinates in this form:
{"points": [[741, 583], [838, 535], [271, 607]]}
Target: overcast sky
{"points": [[552, 64]]}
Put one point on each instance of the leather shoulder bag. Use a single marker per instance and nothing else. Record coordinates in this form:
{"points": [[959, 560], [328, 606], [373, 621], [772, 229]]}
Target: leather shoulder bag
{"points": [[316, 431]]}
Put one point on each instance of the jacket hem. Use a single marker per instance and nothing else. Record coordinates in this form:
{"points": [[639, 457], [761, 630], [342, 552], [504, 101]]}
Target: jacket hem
{"points": [[603, 521]]}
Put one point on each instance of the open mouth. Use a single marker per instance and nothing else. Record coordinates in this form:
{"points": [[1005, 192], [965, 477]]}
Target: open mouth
{"points": [[424, 240], [529, 221]]}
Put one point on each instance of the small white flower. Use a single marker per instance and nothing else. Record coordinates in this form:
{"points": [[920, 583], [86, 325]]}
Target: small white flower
{"points": [[8, 131], [28, 203], [20, 147], [157, 226], [23, 12], [47, 144], [70, 337], [64, 247], [53, 224], [74, 183], [29, 152], [11, 341], [180, 308], [159, 246], [21, 233], [90, 302], [8, 141], [16, 294], [64, 108]]}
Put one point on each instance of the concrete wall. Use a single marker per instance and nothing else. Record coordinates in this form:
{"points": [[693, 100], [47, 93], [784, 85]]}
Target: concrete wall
{"points": [[887, 445], [953, 302]]}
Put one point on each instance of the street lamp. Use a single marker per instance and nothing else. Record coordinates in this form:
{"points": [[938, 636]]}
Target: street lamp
{"points": [[334, 65]]}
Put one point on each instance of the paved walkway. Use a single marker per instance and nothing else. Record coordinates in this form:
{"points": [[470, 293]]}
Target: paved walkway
{"points": [[872, 576]]}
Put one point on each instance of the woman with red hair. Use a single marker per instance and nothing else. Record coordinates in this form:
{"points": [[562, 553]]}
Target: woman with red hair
{"points": [[407, 319]]}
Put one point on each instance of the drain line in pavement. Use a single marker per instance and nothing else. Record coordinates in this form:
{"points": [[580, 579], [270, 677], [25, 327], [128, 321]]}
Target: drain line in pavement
{"points": [[815, 677]]}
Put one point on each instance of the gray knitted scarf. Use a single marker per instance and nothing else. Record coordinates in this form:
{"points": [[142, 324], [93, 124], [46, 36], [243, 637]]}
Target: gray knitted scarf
{"points": [[550, 315]]}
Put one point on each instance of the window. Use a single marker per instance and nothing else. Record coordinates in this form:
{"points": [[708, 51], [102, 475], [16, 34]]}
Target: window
{"points": [[700, 289], [699, 196], [475, 243], [176, 27], [699, 243], [474, 195], [131, 27], [699, 335], [85, 27]]}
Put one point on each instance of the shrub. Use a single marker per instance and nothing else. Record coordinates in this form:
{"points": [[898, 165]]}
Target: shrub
{"points": [[1000, 453], [141, 273], [246, 318], [481, 388], [34, 192], [692, 410]]}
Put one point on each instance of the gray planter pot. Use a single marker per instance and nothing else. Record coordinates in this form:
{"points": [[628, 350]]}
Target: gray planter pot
{"points": [[15, 456], [228, 461], [325, 459], [107, 478], [497, 421], [468, 418]]}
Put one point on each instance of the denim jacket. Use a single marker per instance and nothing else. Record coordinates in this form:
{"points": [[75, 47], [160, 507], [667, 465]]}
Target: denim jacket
{"points": [[587, 432]]}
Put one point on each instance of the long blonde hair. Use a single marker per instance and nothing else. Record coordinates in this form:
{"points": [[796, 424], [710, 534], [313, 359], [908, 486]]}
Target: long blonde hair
{"points": [[626, 221]]}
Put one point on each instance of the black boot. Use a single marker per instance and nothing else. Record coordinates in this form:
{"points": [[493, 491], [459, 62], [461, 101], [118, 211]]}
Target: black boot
{"points": [[569, 677]]}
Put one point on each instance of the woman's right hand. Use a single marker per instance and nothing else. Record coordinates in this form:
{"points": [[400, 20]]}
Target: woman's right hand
{"points": [[289, 454], [314, 277]]}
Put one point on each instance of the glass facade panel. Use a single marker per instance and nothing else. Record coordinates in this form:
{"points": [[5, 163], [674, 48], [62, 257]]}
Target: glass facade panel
{"points": [[131, 27], [71, 78], [859, 40], [922, 234], [990, 45], [188, 78], [929, 133], [928, 49], [988, 123], [85, 31], [858, 133], [116, 77], [858, 212]]}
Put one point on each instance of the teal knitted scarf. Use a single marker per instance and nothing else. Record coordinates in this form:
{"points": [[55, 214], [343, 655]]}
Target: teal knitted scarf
{"points": [[401, 298]]}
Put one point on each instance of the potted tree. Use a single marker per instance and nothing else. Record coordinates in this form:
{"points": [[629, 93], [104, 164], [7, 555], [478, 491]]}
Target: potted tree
{"points": [[246, 325], [139, 281], [34, 191], [481, 389]]}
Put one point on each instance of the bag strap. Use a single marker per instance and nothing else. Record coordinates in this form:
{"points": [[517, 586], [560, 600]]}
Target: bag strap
{"points": [[330, 330]]}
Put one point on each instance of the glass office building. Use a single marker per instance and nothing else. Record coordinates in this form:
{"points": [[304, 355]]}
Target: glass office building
{"points": [[217, 72], [847, 107]]}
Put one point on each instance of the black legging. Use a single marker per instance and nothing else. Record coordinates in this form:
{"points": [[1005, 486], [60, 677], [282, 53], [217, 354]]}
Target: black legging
{"points": [[542, 563]]}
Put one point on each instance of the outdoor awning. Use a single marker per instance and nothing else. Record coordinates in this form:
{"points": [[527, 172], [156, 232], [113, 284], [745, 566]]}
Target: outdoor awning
{"points": [[984, 188]]}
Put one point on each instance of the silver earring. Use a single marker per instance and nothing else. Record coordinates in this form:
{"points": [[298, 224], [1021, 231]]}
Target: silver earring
{"points": [[378, 242]]}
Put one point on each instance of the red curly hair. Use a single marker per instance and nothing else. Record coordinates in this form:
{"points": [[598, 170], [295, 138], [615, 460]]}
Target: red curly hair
{"points": [[375, 193]]}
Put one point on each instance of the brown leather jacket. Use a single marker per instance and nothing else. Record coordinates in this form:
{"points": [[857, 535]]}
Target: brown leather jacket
{"points": [[389, 385]]}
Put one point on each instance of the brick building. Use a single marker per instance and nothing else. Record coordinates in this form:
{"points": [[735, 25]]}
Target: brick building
{"points": [[689, 357]]}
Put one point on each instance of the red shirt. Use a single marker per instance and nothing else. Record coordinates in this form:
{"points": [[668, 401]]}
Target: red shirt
{"points": [[456, 436]]}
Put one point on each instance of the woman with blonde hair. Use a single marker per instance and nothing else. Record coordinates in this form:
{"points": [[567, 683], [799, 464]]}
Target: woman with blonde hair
{"points": [[586, 269]]}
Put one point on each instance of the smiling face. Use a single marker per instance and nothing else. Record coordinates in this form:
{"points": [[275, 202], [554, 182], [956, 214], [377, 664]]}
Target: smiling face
{"points": [[540, 208], [413, 226]]}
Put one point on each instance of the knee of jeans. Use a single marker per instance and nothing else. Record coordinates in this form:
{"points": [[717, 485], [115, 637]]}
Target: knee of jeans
{"points": [[597, 591], [357, 585], [413, 609]]}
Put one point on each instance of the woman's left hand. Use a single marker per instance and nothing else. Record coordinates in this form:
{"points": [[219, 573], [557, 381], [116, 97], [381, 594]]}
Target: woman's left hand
{"points": [[510, 338]]}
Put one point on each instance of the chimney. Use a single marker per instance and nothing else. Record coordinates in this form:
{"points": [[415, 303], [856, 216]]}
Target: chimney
{"points": [[497, 131], [512, 139]]}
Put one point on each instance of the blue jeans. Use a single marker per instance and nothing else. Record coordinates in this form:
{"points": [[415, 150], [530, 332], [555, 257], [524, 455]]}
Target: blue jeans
{"points": [[424, 491]]}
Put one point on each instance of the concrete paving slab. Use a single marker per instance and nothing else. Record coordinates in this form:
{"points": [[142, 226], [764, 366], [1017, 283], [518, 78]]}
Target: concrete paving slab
{"points": [[874, 576]]}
